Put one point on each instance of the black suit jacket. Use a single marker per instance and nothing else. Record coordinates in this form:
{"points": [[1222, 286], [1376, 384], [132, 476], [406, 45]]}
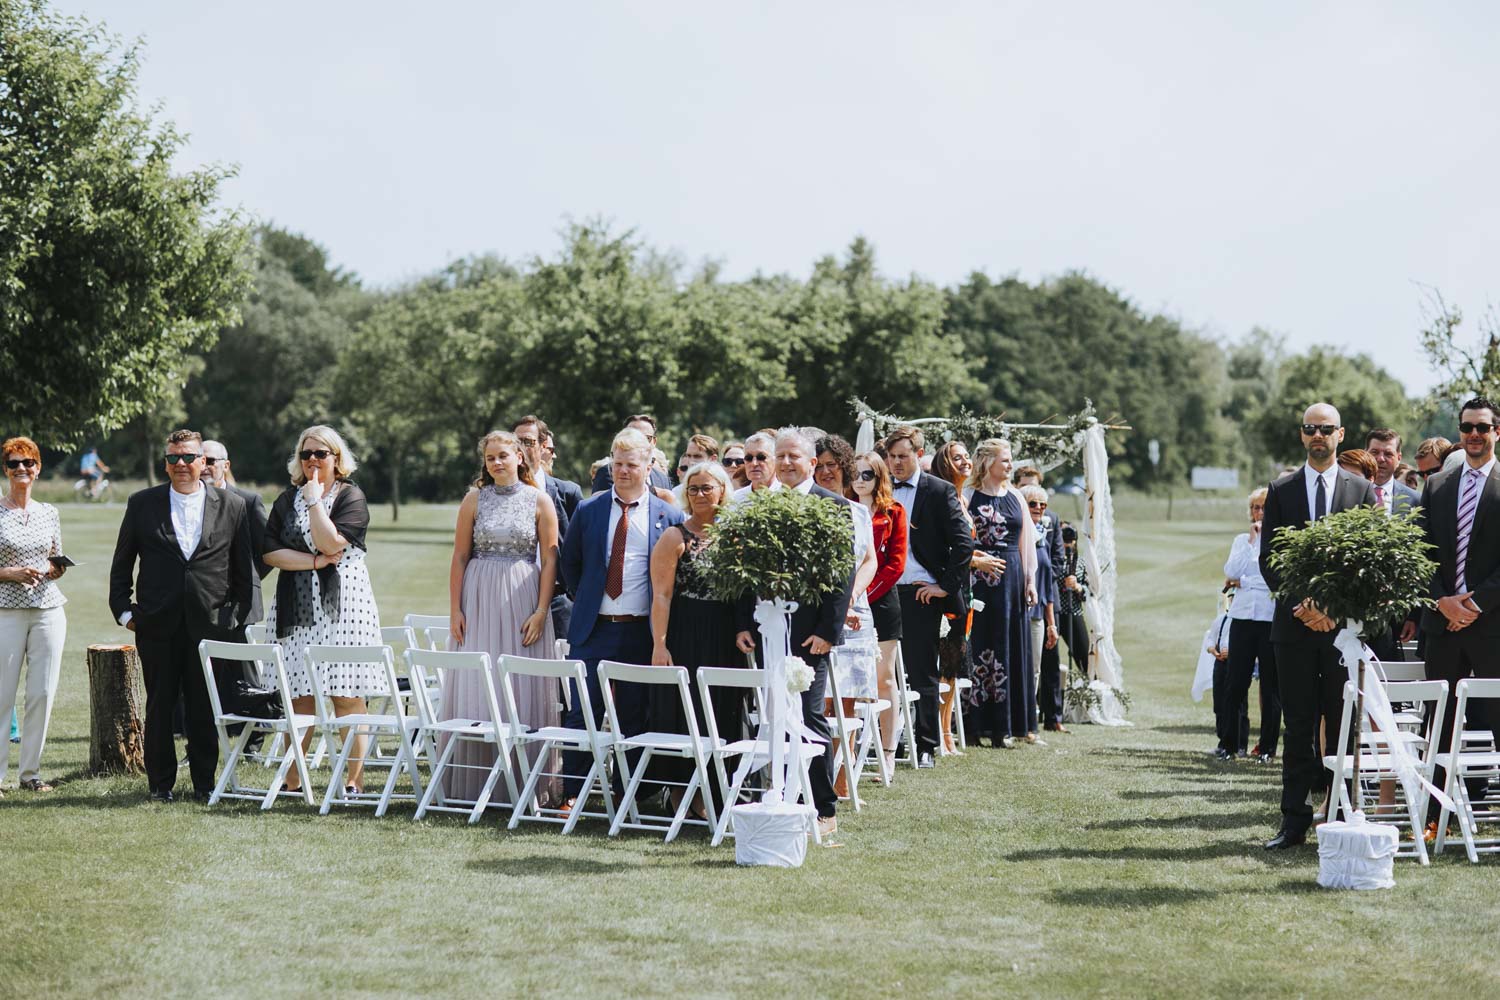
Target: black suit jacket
{"points": [[1404, 497], [938, 536], [1286, 510], [255, 510], [209, 593], [825, 619], [1482, 568]]}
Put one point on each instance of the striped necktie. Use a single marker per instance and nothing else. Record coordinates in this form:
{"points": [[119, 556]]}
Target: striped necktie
{"points": [[1468, 505]]}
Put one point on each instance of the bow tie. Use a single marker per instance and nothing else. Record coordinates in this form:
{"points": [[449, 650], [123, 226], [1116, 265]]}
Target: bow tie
{"points": [[906, 485]]}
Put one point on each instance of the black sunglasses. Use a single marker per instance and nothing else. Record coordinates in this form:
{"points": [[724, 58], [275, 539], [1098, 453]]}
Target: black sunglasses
{"points": [[1468, 428], [682, 468], [187, 459], [1327, 430], [867, 476], [758, 457], [1036, 505], [732, 462], [318, 453], [16, 463], [210, 460]]}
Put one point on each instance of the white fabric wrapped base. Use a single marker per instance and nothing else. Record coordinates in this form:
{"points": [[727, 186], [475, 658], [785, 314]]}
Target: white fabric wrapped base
{"points": [[771, 833], [1356, 854]]}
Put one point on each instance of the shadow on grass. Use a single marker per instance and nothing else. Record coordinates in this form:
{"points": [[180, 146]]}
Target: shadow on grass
{"points": [[1200, 821], [1142, 897], [1204, 794], [1195, 852], [546, 864], [1206, 729]]}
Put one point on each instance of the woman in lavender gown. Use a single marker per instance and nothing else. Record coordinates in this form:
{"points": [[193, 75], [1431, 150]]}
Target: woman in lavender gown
{"points": [[500, 588]]}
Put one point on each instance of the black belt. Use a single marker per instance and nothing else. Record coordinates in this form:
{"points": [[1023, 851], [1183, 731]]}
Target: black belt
{"points": [[623, 618]]}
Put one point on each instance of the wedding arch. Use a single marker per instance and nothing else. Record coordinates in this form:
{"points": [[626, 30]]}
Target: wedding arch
{"points": [[1099, 698]]}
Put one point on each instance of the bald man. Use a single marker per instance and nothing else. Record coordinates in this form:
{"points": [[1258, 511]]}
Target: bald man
{"points": [[1310, 676]]}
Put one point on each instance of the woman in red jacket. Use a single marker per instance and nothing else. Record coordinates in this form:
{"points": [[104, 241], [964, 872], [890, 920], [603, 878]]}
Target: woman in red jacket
{"points": [[872, 487]]}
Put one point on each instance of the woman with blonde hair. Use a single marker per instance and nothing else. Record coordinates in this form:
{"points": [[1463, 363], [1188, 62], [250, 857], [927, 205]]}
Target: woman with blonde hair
{"points": [[1004, 690], [500, 587], [315, 536]]}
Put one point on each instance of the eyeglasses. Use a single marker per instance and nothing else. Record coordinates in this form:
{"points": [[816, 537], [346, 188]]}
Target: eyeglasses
{"points": [[758, 457], [733, 462], [526, 442], [311, 453], [1468, 428], [868, 476], [682, 468], [210, 460], [1327, 430], [1036, 505], [1424, 473], [183, 459], [18, 463], [702, 491]]}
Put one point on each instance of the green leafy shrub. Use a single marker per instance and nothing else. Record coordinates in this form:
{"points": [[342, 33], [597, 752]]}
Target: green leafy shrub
{"points": [[1361, 564], [781, 544]]}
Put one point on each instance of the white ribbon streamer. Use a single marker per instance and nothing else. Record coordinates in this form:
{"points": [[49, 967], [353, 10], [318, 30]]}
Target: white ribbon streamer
{"points": [[782, 710], [1378, 707]]}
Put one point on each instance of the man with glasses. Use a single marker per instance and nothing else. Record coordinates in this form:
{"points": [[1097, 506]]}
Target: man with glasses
{"points": [[533, 435], [1461, 518], [700, 448], [657, 479], [760, 465], [217, 472], [197, 561], [1429, 457], [1309, 672]]}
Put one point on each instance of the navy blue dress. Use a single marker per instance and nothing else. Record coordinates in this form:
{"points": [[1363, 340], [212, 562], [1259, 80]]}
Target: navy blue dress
{"points": [[1004, 687]]}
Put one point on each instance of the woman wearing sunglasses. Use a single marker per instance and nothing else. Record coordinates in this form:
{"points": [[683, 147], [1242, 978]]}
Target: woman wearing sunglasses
{"points": [[315, 536], [872, 488], [1043, 613], [734, 464], [32, 625]]}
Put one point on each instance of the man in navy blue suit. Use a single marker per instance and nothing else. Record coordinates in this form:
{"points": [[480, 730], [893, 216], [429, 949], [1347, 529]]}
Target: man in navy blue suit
{"points": [[606, 563]]}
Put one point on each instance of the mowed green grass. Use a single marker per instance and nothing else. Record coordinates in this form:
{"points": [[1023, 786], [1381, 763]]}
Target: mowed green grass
{"points": [[1113, 862]]}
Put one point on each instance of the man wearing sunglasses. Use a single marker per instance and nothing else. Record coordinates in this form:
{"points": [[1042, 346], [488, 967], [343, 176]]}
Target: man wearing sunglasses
{"points": [[196, 563], [216, 472], [1310, 674], [760, 466], [1461, 518]]}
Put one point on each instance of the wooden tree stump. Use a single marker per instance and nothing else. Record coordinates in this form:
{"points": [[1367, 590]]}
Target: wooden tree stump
{"points": [[116, 700]]}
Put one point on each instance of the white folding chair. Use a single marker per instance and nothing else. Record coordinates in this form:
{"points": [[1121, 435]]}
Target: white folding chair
{"points": [[690, 746], [848, 742], [290, 725], [906, 729], [490, 731], [1376, 763], [870, 712], [341, 730], [1470, 761], [431, 632], [964, 684], [754, 754], [259, 633], [553, 739]]}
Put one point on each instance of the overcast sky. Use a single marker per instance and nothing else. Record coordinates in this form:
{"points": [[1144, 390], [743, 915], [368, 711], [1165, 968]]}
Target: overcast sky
{"points": [[1297, 166]]}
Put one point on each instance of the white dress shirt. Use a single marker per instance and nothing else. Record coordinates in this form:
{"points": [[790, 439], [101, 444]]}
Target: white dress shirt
{"points": [[744, 492], [187, 518], [635, 590], [914, 572], [1252, 600], [1310, 480]]}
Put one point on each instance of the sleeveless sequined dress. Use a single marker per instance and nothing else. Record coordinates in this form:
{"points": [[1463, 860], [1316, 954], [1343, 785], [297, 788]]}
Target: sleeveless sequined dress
{"points": [[499, 593]]}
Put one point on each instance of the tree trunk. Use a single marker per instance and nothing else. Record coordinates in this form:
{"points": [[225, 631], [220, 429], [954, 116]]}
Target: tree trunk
{"points": [[116, 698], [395, 488]]}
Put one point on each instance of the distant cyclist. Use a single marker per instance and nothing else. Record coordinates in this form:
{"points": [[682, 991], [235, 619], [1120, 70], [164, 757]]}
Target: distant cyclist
{"points": [[93, 470]]}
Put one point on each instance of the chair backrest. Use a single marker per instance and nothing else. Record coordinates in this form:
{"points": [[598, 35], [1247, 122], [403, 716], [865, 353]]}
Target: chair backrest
{"points": [[320, 658], [634, 673], [259, 654], [420, 663], [399, 637], [560, 670], [259, 633], [738, 678], [431, 629], [1470, 689], [1433, 693], [1404, 670]]}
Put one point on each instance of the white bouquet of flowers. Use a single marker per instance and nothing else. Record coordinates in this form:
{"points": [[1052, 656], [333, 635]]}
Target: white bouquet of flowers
{"points": [[799, 676]]}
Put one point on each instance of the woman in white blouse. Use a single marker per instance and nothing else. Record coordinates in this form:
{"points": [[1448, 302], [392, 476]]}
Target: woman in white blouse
{"points": [[1250, 642], [32, 625]]}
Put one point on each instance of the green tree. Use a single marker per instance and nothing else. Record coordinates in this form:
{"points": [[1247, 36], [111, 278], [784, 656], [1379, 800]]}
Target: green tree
{"points": [[1464, 370], [1365, 395], [111, 267]]}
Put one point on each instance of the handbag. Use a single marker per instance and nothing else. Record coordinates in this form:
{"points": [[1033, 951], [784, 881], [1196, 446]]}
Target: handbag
{"points": [[252, 701]]}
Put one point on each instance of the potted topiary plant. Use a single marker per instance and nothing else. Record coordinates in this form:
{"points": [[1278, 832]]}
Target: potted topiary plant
{"points": [[1368, 570], [783, 548]]}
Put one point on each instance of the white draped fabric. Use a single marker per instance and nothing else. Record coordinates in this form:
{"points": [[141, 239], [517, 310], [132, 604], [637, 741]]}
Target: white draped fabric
{"points": [[1097, 549]]}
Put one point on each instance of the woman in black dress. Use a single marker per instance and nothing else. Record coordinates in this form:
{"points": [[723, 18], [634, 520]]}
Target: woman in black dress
{"points": [[689, 626]]}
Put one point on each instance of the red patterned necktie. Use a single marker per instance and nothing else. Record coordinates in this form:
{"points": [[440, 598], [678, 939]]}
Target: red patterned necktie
{"points": [[614, 580], [1379, 494]]}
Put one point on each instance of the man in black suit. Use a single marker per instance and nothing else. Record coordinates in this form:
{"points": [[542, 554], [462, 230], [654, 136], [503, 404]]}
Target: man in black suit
{"points": [[217, 472], [646, 424], [1398, 499], [196, 565], [1309, 670], [532, 434], [938, 549], [815, 630], [570, 492], [1461, 518]]}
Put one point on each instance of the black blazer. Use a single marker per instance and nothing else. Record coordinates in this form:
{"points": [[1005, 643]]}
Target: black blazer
{"points": [[209, 593], [1482, 570], [1286, 510], [938, 536], [565, 498], [255, 509], [824, 620]]}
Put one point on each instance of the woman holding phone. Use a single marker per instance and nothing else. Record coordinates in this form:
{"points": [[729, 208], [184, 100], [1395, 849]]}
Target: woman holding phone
{"points": [[315, 535], [32, 625]]}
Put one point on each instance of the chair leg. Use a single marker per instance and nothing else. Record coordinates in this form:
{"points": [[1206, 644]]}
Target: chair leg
{"points": [[231, 765], [340, 765], [435, 778], [633, 785], [502, 764], [675, 827]]}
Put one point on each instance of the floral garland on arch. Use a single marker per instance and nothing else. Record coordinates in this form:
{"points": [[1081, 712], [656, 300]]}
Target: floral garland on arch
{"points": [[1101, 697]]}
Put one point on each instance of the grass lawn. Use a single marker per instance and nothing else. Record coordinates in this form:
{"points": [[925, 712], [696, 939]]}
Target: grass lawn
{"points": [[1111, 862]]}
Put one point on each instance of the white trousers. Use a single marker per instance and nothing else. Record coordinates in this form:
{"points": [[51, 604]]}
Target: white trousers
{"points": [[34, 636]]}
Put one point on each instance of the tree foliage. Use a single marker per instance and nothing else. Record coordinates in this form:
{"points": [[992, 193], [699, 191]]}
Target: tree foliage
{"points": [[112, 268], [1365, 394]]}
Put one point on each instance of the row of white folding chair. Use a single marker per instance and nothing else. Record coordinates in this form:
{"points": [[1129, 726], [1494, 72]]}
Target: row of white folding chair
{"points": [[343, 730], [267, 659], [906, 728], [1376, 760], [1471, 761], [1416, 670]]}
